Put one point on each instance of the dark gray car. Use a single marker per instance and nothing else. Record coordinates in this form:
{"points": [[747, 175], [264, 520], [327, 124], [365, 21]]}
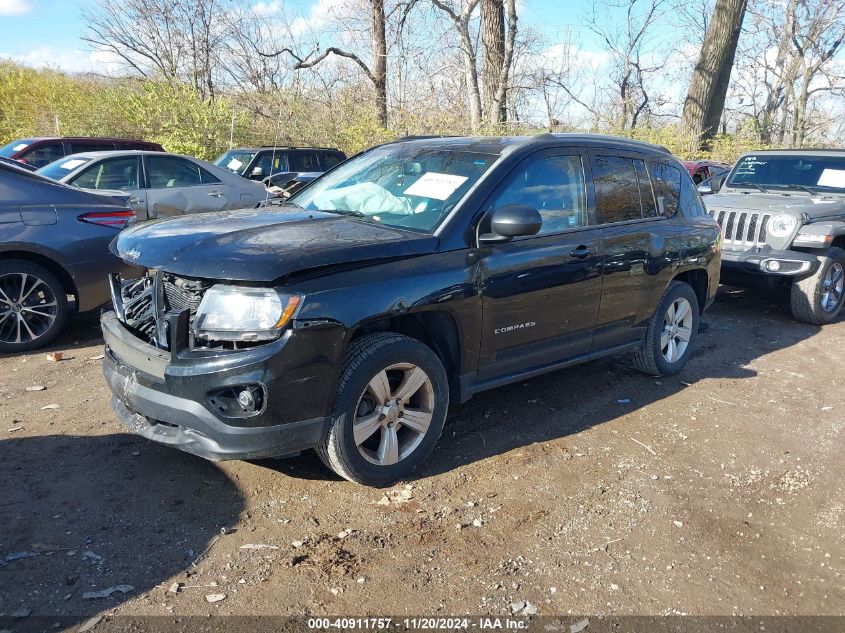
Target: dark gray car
{"points": [[54, 255], [782, 217]]}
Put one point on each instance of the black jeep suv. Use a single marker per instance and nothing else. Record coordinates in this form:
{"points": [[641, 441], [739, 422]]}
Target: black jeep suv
{"points": [[416, 274]]}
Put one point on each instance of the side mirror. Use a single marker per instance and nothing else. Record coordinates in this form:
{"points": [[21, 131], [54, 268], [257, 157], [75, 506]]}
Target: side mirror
{"points": [[512, 220], [705, 188], [257, 172]]}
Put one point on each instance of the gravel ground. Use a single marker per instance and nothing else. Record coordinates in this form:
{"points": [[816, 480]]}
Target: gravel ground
{"points": [[591, 490]]}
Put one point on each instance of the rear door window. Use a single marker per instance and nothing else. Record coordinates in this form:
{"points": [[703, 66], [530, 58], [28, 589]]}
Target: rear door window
{"points": [[330, 159], [111, 173], [44, 153], [303, 161], [617, 189], [166, 172], [667, 186], [207, 178]]}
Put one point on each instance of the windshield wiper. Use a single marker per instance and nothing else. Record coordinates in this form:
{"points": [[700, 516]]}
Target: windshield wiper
{"points": [[752, 184], [356, 214], [807, 189], [277, 202]]}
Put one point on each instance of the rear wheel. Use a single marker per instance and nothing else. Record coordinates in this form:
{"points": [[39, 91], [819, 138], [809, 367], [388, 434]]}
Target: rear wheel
{"points": [[391, 404], [818, 299], [671, 332], [33, 306]]}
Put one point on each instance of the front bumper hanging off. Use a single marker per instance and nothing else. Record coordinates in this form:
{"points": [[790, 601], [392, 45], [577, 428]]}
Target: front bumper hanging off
{"points": [[167, 401]]}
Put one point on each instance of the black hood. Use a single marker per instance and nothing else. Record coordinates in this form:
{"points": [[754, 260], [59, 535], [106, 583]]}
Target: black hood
{"points": [[263, 245]]}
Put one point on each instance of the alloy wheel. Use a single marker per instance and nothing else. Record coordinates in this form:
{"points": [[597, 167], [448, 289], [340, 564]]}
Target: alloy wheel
{"points": [[393, 414], [677, 330], [28, 308], [832, 286]]}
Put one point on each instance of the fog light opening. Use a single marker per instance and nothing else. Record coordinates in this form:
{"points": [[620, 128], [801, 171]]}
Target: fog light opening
{"points": [[772, 265], [238, 401]]}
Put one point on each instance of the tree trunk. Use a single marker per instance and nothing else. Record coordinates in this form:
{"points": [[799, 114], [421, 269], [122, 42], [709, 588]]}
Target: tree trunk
{"points": [[380, 61], [800, 117], [709, 84], [471, 73], [461, 22], [493, 42]]}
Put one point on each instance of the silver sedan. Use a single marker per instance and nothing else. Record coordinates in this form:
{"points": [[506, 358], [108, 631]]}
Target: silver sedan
{"points": [[157, 184]]}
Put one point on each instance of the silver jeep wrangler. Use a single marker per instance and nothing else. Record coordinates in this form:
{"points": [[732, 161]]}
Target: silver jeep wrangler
{"points": [[782, 218]]}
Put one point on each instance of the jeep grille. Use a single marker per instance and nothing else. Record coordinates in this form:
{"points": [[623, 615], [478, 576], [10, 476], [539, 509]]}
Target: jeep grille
{"points": [[742, 228]]}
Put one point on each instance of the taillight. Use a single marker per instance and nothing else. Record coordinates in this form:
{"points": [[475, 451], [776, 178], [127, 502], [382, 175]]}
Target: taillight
{"points": [[117, 219]]}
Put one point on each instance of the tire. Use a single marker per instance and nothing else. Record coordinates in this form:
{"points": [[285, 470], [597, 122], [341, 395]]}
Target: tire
{"points": [[664, 351], [818, 299], [372, 459], [43, 313]]}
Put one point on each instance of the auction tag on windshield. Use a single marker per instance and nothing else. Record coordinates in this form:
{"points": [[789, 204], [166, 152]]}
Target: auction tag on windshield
{"points": [[18, 148], [832, 178], [436, 186], [72, 164], [234, 164]]}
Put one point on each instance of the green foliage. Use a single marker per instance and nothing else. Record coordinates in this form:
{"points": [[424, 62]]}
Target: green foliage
{"points": [[48, 103]]}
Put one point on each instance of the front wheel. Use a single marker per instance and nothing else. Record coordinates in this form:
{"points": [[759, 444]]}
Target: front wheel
{"points": [[671, 332], [818, 299], [391, 403]]}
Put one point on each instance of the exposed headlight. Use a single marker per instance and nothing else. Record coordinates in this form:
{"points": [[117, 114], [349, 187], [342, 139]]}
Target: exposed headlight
{"points": [[782, 225], [240, 313]]}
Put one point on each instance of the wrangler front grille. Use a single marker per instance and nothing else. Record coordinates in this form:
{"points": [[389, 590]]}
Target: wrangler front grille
{"points": [[742, 228]]}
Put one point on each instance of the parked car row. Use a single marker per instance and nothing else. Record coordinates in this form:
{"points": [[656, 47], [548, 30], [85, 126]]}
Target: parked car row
{"points": [[41, 151], [156, 184]]}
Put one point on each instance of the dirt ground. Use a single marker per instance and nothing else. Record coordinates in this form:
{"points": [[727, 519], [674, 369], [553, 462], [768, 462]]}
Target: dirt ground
{"points": [[592, 490]]}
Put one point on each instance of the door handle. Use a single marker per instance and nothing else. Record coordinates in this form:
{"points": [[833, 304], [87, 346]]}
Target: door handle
{"points": [[216, 194], [583, 251]]}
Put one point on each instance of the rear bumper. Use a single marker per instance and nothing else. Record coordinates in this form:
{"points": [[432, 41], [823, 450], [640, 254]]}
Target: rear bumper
{"points": [[168, 403]]}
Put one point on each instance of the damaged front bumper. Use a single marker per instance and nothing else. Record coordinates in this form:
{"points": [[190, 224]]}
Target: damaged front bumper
{"points": [[170, 399]]}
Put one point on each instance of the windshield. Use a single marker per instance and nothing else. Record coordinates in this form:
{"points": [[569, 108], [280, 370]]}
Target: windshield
{"points": [[235, 161], [816, 174], [14, 147], [58, 169], [398, 185]]}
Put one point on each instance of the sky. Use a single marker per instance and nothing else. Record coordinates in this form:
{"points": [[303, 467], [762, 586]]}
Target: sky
{"points": [[48, 32]]}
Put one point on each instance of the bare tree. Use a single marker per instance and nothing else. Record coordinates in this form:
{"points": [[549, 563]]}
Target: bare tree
{"points": [[376, 72], [709, 85], [787, 62], [179, 40], [633, 61], [817, 35], [461, 20]]}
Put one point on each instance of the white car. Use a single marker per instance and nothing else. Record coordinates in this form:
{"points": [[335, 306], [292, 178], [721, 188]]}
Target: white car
{"points": [[157, 184]]}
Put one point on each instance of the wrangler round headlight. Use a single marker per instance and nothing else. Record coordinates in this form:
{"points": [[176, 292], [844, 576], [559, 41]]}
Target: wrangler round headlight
{"points": [[241, 313], [781, 225]]}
